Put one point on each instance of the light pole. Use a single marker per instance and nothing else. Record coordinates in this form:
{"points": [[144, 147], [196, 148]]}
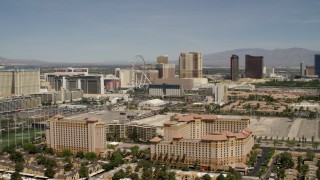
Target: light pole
{"points": [[22, 126], [15, 130], [1, 132], [42, 122], [28, 122], [8, 132], [34, 128]]}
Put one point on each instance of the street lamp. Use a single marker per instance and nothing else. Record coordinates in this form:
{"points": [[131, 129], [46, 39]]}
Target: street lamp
{"points": [[28, 122], [1, 132], [22, 127], [8, 132], [15, 130]]}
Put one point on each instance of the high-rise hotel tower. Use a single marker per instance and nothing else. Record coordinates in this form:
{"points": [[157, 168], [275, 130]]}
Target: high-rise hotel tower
{"points": [[190, 65]]}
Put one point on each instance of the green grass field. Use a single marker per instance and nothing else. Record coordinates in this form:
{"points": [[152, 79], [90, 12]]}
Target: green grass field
{"points": [[19, 137]]}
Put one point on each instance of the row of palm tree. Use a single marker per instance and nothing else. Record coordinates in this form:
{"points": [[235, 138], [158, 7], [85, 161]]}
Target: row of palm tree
{"points": [[177, 161], [165, 157]]}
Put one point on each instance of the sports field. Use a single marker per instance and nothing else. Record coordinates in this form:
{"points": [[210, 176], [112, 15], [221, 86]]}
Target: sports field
{"points": [[19, 137]]}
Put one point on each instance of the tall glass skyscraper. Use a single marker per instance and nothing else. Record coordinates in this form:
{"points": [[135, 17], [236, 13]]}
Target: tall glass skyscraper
{"points": [[254, 66], [317, 64], [234, 64]]}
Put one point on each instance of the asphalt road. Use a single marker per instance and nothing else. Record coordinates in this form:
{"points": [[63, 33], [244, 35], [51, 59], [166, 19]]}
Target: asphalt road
{"points": [[260, 161], [268, 173]]}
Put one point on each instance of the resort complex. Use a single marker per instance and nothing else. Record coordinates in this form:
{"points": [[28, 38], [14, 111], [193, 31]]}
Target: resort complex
{"points": [[213, 143]]}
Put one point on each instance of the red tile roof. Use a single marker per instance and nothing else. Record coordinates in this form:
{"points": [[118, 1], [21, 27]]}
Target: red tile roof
{"points": [[191, 117], [208, 116], [168, 122], [241, 166], [247, 130], [220, 137], [230, 134], [177, 136], [93, 119], [241, 135], [185, 118], [225, 135], [244, 133], [245, 118], [155, 140], [58, 116]]}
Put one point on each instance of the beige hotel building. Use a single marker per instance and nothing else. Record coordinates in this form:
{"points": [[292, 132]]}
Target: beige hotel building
{"points": [[118, 131], [162, 59], [19, 82], [216, 142], [190, 65], [87, 135]]}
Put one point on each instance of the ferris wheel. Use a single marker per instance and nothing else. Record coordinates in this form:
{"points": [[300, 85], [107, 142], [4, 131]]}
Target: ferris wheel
{"points": [[139, 78]]}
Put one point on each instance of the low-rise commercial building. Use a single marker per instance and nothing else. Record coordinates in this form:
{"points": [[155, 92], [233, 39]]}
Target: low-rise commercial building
{"points": [[165, 90], [186, 83], [305, 106], [241, 87], [152, 103], [58, 97], [11, 104], [211, 141]]}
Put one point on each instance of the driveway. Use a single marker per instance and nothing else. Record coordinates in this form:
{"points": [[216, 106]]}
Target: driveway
{"points": [[260, 161]]}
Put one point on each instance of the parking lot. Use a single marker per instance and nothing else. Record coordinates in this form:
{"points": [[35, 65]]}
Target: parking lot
{"points": [[284, 127], [104, 115], [259, 163]]}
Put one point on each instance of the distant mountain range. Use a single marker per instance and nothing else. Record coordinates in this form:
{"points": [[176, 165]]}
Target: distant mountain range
{"points": [[21, 62], [40, 63], [277, 57]]}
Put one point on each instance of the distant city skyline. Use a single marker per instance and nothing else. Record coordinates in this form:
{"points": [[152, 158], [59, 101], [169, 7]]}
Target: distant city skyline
{"points": [[108, 31]]}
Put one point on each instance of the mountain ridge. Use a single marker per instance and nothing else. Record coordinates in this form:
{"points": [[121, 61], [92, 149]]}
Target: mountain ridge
{"points": [[8, 61], [276, 57]]}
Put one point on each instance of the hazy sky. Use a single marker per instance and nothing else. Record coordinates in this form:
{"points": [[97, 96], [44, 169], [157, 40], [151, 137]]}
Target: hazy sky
{"points": [[105, 30]]}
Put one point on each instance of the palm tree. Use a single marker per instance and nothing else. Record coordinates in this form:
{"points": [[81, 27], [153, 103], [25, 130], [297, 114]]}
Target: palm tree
{"points": [[178, 158], [196, 163], [160, 156], [171, 157], [183, 158], [166, 156], [154, 156], [209, 164]]}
